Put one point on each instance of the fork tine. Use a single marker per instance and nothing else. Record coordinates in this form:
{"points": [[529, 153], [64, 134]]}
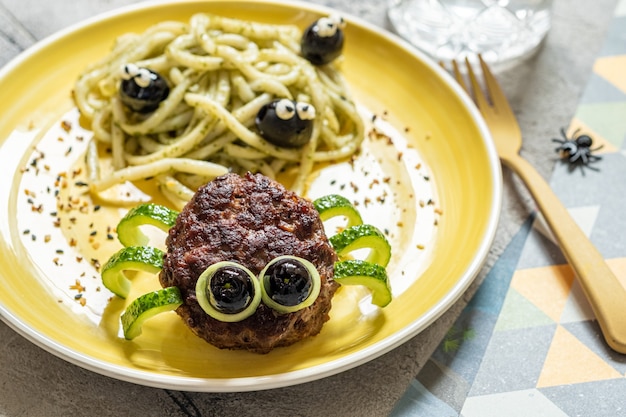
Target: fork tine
{"points": [[459, 77], [479, 97], [496, 94]]}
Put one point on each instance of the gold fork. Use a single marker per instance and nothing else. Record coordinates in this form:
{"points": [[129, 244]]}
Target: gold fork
{"points": [[604, 291]]}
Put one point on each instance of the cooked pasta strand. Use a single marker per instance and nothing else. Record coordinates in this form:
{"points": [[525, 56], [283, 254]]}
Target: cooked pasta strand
{"points": [[221, 72]]}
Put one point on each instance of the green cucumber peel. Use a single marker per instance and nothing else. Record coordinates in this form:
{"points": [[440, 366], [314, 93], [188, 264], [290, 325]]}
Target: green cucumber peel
{"points": [[370, 275], [334, 205], [148, 306], [136, 258], [128, 229], [360, 237]]}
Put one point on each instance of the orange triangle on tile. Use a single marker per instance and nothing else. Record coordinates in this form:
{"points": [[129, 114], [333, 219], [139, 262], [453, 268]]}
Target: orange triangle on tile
{"points": [[569, 361], [598, 141], [611, 68], [546, 287]]}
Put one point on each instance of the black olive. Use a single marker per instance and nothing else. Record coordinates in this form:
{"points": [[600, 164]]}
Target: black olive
{"points": [[230, 290], [286, 123], [322, 41], [141, 89], [289, 282]]}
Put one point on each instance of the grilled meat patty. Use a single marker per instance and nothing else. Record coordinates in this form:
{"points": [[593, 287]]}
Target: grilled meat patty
{"points": [[250, 220]]}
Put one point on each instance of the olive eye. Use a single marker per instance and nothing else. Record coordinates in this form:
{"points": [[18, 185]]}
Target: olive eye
{"points": [[144, 78], [129, 71], [339, 21], [281, 123], [285, 109], [325, 27], [289, 284], [228, 292], [141, 89], [305, 111]]}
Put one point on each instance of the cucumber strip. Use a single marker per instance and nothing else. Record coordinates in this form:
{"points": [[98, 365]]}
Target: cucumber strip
{"points": [[137, 258], [148, 306], [372, 276], [359, 237], [334, 205], [128, 231]]}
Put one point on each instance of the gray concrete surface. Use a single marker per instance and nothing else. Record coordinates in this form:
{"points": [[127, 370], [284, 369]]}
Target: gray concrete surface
{"points": [[544, 92]]}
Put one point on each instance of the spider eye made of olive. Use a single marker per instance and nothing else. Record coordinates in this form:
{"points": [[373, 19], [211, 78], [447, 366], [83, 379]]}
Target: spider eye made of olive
{"points": [[228, 291], [279, 122], [289, 284], [141, 89], [322, 41]]}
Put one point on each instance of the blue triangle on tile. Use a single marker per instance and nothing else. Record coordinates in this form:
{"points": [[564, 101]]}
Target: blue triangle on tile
{"points": [[599, 90], [575, 399], [614, 43]]}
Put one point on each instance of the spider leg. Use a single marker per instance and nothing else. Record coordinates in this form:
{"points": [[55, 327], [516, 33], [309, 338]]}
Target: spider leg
{"points": [[584, 158], [591, 168], [575, 156]]}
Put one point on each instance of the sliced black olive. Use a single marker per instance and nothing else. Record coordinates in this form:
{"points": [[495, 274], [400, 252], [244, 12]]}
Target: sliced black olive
{"points": [[289, 284], [285, 122], [228, 291], [322, 41], [141, 89]]}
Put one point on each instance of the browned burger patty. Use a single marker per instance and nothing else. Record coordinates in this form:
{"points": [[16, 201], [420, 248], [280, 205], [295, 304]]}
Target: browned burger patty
{"points": [[249, 220]]}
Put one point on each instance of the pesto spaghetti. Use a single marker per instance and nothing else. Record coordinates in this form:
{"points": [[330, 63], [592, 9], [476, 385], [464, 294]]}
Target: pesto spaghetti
{"points": [[219, 74]]}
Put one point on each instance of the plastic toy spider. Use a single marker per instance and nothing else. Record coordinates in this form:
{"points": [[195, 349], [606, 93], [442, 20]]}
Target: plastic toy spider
{"points": [[577, 149]]}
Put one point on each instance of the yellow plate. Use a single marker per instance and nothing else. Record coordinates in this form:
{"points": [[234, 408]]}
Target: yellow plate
{"points": [[435, 187]]}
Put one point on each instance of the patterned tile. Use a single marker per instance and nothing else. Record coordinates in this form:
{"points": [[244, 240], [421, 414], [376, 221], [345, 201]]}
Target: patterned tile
{"points": [[548, 287], [513, 360], [606, 119], [524, 403], [518, 313], [600, 90], [569, 361], [528, 343], [419, 401], [608, 398], [577, 308], [588, 333]]}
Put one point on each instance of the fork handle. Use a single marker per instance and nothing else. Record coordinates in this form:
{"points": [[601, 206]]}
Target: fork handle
{"points": [[604, 291]]}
